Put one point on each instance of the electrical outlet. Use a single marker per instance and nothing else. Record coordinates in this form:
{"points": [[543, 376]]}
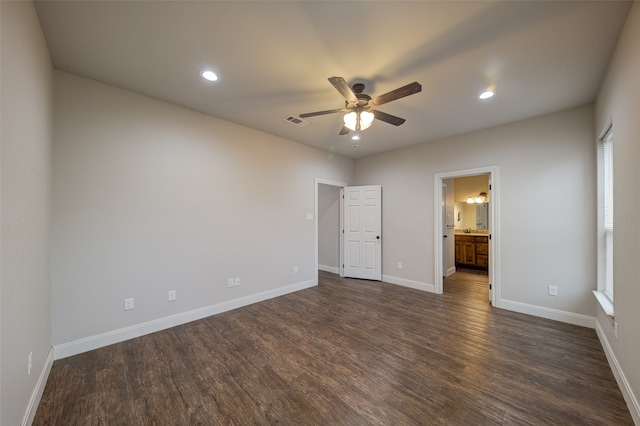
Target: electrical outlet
{"points": [[399, 265], [295, 269], [29, 363], [171, 297], [553, 290], [237, 282], [230, 282], [128, 304], [615, 329]]}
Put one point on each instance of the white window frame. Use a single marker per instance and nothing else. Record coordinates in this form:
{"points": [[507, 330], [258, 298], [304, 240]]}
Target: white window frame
{"points": [[605, 291]]}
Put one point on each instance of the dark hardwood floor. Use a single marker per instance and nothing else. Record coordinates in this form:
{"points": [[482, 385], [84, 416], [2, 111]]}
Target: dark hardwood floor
{"points": [[346, 352]]}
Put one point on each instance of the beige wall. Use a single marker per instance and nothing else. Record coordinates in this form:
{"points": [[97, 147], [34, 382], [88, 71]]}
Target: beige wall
{"points": [[551, 159], [467, 187], [471, 186], [619, 103], [151, 197], [25, 134]]}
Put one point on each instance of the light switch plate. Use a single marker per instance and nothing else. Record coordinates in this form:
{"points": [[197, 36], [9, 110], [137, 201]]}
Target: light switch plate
{"points": [[128, 304]]}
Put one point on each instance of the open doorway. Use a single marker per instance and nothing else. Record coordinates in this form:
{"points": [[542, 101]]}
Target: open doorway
{"points": [[349, 244], [470, 223], [468, 228], [327, 220], [471, 214]]}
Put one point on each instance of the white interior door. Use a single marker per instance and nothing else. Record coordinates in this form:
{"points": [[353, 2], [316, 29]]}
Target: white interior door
{"points": [[444, 231], [362, 229]]}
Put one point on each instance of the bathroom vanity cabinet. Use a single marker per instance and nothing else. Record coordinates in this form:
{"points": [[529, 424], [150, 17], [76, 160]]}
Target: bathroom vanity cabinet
{"points": [[472, 251]]}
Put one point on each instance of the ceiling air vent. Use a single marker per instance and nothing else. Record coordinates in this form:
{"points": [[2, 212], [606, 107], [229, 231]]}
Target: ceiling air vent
{"points": [[295, 120]]}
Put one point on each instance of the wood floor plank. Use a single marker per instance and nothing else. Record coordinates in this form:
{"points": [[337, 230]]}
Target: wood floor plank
{"points": [[347, 352]]}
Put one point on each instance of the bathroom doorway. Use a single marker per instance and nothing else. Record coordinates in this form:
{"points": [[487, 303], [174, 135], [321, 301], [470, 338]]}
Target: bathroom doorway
{"points": [[474, 218]]}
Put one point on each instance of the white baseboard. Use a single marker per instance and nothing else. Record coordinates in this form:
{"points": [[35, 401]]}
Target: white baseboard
{"points": [[450, 271], [332, 269], [409, 283], [549, 313], [98, 341], [36, 395], [621, 379]]}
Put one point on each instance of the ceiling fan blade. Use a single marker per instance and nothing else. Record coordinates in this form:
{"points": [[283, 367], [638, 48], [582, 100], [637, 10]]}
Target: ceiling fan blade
{"points": [[329, 111], [344, 131], [343, 87], [401, 92], [388, 118]]}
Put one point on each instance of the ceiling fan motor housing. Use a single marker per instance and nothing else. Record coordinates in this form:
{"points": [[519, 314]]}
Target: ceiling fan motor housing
{"points": [[364, 100], [358, 88]]}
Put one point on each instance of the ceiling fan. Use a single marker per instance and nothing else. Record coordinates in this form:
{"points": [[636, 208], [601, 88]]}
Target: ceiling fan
{"points": [[359, 112]]}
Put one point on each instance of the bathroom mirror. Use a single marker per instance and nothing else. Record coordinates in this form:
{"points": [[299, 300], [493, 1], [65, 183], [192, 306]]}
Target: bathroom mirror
{"points": [[471, 216], [482, 216]]}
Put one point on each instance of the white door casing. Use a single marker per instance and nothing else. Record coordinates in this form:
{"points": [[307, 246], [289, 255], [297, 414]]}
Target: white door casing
{"points": [[494, 228], [362, 228], [491, 252]]}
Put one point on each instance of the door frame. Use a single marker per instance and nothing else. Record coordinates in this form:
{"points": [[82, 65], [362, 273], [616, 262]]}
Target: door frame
{"points": [[443, 207], [494, 226], [337, 184]]}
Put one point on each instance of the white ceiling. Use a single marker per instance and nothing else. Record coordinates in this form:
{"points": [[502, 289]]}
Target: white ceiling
{"points": [[274, 57]]}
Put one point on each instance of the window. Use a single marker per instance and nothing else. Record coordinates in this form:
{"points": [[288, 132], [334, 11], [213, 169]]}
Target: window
{"points": [[608, 213], [605, 222]]}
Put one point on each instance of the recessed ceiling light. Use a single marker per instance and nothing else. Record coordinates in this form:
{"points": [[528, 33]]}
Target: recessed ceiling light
{"points": [[487, 94], [208, 75]]}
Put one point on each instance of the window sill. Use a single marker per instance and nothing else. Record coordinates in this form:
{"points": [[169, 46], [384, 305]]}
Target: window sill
{"points": [[605, 303]]}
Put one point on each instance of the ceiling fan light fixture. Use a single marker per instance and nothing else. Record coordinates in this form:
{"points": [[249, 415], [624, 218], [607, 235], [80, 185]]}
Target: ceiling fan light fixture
{"points": [[366, 118], [358, 120], [351, 120]]}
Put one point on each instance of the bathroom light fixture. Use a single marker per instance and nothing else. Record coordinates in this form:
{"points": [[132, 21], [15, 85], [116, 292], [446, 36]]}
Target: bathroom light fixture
{"points": [[358, 120], [478, 199], [208, 75]]}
